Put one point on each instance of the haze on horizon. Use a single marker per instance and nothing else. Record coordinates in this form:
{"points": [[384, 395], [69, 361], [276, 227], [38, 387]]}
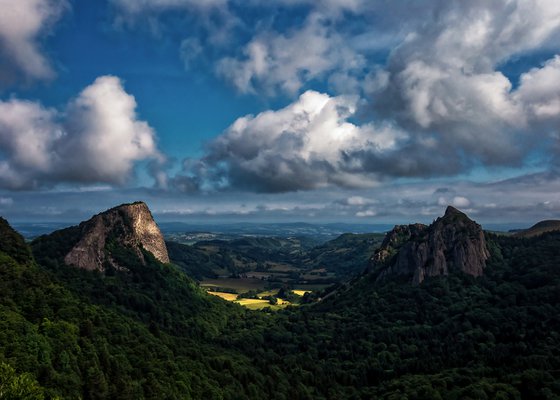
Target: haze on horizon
{"points": [[287, 110]]}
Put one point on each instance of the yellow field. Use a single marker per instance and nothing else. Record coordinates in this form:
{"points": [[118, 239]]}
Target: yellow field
{"points": [[253, 304], [256, 304], [225, 296]]}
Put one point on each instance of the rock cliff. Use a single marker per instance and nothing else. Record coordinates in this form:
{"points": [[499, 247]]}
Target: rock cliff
{"points": [[128, 225], [452, 242]]}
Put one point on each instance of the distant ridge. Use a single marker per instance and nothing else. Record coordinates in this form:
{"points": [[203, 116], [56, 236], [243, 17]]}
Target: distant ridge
{"points": [[539, 228]]}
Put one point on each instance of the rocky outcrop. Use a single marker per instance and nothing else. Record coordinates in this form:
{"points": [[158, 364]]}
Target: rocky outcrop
{"points": [[128, 225], [452, 242]]}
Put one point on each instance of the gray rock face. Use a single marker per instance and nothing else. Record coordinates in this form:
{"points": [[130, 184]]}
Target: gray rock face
{"points": [[130, 225], [452, 242]]}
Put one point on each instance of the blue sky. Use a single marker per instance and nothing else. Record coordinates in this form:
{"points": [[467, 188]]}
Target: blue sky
{"points": [[296, 110]]}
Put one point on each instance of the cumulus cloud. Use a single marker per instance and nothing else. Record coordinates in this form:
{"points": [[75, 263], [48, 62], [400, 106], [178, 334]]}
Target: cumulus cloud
{"points": [[443, 78], [22, 26], [435, 100], [287, 61], [270, 50], [456, 201], [302, 146], [97, 138], [538, 91], [314, 143]]}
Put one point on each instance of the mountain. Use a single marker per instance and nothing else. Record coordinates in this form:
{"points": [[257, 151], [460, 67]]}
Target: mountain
{"points": [[147, 331], [454, 336], [539, 228], [129, 225], [143, 330], [452, 242]]}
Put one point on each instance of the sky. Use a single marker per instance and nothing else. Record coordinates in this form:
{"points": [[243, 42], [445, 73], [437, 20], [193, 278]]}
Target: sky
{"points": [[365, 111]]}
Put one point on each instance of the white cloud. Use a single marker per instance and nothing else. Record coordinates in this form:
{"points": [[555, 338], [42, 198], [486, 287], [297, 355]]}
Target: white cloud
{"points": [[539, 90], [441, 105], [443, 78], [301, 146], [22, 25], [287, 61], [6, 201], [103, 129], [97, 139], [456, 201], [357, 201], [366, 213], [460, 202]]}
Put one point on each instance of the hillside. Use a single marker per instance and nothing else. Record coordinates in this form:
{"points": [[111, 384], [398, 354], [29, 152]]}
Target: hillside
{"points": [[539, 228], [147, 331], [144, 332]]}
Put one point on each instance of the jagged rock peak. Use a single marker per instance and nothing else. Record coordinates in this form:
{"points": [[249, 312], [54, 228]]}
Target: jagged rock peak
{"points": [[450, 211], [453, 241], [131, 225]]}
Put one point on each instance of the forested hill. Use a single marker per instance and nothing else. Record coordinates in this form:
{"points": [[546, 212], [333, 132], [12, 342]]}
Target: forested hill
{"points": [[148, 331]]}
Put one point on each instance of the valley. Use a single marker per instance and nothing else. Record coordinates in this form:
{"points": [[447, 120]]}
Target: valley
{"points": [[440, 311], [279, 200], [261, 266]]}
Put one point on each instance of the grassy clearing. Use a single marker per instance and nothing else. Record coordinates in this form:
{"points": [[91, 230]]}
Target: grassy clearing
{"points": [[301, 292], [259, 304], [253, 304], [225, 296]]}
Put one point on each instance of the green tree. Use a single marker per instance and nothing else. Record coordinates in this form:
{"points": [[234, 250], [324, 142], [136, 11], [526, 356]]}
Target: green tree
{"points": [[14, 386]]}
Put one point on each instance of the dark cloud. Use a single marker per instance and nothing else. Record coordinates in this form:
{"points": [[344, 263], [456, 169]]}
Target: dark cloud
{"points": [[525, 200]]}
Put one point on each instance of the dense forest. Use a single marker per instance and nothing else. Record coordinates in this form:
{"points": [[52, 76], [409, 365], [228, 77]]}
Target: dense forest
{"points": [[151, 333]]}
